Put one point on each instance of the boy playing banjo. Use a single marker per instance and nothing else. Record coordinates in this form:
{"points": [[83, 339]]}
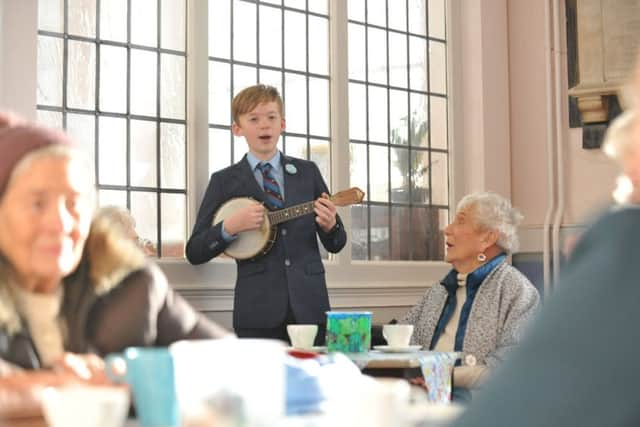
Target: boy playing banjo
{"points": [[286, 284]]}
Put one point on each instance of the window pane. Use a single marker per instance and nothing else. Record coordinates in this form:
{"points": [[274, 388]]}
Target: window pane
{"points": [[113, 20], [219, 149], [144, 28], [296, 4], [49, 71], [437, 67], [295, 49], [398, 15], [419, 130], [427, 237], [400, 175], [418, 17], [357, 61], [379, 173], [377, 12], [319, 105], [398, 60], [143, 82], [143, 153], [219, 93], [418, 61], [440, 179], [358, 167], [112, 198], [172, 156], [398, 117], [377, 51], [379, 233], [359, 233], [356, 10], [113, 79], [81, 75], [296, 106], [112, 153], [240, 148], [378, 114], [174, 221], [82, 128], [82, 17], [319, 6], [319, 39], [144, 208], [296, 147], [244, 31], [50, 119], [243, 77], [438, 122], [357, 111], [172, 86], [401, 233], [50, 15], [420, 169], [321, 156], [437, 18], [270, 36], [173, 25], [271, 78], [219, 28]]}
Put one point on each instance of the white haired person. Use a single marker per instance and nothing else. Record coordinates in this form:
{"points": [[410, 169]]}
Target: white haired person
{"points": [[483, 303], [620, 145]]}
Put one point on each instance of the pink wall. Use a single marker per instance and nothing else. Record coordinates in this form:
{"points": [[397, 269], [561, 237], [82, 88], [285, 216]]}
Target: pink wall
{"points": [[589, 175]]}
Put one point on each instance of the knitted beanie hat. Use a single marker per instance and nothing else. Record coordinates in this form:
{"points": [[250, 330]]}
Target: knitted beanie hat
{"points": [[18, 138]]}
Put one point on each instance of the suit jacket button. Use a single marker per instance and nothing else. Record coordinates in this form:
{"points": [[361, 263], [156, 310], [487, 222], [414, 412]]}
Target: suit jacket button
{"points": [[287, 262], [284, 231]]}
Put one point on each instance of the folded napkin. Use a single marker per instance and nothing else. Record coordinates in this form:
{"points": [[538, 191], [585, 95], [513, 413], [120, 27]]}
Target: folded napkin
{"points": [[437, 370], [310, 382]]}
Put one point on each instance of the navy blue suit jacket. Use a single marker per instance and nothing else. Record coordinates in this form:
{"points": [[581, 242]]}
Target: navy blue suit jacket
{"points": [[292, 271]]}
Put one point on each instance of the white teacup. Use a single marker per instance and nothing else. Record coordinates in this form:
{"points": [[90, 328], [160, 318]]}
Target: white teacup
{"points": [[397, 336], [302, 336], [85, 406]]}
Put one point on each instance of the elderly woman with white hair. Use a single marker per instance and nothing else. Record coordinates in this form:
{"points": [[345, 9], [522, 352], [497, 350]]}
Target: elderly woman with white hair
{"points": [[483, 303]]}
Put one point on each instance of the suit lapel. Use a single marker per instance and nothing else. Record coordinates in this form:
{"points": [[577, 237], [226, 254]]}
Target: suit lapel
{"points": [[244, 178]]}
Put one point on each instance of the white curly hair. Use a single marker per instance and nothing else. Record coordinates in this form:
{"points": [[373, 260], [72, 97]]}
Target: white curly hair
{"points": [[491, 211]]}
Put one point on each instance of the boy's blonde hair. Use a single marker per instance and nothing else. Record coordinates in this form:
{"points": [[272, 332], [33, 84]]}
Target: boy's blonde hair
{"points": [[249, 98]]}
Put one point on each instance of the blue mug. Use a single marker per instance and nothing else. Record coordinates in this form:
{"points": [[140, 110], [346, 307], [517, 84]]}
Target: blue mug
{"points": [[150, 374]]}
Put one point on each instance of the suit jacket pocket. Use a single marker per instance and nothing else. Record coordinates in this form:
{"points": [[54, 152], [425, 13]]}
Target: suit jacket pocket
{"points": [[250, 269], [314, 267]]}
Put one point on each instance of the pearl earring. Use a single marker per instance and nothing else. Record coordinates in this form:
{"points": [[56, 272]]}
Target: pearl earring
{"points": [[482, 257]]}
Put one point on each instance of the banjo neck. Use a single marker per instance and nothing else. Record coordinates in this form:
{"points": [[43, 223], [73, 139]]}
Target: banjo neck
{"points": [[342, 198], [292, 212]]}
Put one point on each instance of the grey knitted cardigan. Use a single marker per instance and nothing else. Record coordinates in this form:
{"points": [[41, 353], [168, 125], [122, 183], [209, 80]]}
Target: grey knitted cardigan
{"points": [[503, 304]]}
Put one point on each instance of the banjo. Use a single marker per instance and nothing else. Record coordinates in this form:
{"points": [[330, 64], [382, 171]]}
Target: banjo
{"points": [[254, 243]]}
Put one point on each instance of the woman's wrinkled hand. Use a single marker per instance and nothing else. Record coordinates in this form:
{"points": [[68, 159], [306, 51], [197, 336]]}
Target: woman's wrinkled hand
{"points": [[85, 367]]}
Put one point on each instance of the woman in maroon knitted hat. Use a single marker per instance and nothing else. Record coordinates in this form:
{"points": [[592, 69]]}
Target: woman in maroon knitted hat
{"points": [[69, 284]]}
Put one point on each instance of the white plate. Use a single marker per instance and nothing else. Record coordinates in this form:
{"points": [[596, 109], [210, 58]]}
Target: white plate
{"points": [[389, 349]]}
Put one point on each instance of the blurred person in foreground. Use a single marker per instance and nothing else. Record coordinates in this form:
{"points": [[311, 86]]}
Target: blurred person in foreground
{"points": [[70, 285], [122, 218], [482, 306], [578, 364]]}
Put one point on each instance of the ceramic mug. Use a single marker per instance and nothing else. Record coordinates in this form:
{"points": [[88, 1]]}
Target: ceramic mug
{"points": [[397, 335], [302, 336], [150, 374]]}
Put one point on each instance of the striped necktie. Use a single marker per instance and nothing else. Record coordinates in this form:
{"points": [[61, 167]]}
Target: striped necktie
{"points": [[270, 186]]}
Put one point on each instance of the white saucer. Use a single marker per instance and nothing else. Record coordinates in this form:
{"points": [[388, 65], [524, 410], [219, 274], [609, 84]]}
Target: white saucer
{"points": [[314, 349], [389, 349]]}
